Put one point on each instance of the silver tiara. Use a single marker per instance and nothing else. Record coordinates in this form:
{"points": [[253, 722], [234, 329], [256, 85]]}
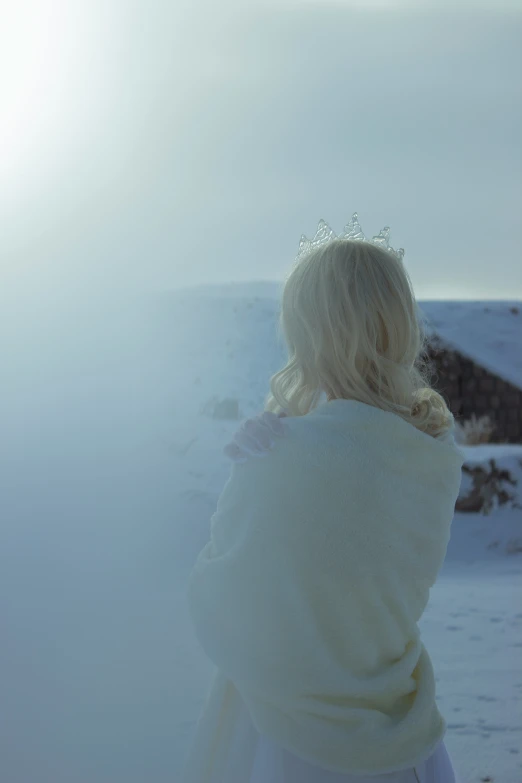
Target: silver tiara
{"points": [[352, 230]]}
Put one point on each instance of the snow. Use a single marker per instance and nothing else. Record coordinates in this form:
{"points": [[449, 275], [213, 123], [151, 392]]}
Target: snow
{"points": [[489, 332], [485, 451], [110, 475]]}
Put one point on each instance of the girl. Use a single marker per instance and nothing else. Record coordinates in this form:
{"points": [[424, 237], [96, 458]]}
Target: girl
{"points": [[323, 552]]}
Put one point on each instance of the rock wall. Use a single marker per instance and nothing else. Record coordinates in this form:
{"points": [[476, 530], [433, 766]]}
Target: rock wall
{"points": [[469, 388]]}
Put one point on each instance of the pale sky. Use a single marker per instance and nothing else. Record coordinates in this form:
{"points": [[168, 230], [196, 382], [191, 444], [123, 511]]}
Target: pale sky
{"points": [[152, 144]]}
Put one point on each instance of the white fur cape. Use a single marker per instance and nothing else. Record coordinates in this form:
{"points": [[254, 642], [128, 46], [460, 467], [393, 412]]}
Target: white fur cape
{"points": [[308, 594]]}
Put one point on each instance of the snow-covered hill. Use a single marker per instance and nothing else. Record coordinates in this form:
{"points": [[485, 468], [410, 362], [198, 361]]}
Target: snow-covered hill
{"points": [[112, 467], [489, 332]]}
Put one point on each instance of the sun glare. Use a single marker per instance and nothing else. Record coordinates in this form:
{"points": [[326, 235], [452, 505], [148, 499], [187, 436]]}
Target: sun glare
{"points": [[37, 45]]}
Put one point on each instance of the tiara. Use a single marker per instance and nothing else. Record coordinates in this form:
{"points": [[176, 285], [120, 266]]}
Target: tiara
{"points": [[352, 230]]}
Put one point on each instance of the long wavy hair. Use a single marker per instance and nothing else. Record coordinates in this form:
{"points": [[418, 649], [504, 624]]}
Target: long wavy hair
{"points": [[353, 330]]}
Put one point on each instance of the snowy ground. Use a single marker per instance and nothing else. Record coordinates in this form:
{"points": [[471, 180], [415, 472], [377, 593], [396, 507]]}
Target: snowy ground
{"points": [[111, 473]]}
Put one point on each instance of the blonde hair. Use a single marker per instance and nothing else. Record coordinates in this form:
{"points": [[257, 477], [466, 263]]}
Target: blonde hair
{"points": [[353, 330]]}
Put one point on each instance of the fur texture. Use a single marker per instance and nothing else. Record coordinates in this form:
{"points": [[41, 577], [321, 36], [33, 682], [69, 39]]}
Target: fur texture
{"points": [[308, 594]]}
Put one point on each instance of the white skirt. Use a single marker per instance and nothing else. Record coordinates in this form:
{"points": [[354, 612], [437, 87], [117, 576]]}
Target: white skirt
{"points": [[279, 766]]}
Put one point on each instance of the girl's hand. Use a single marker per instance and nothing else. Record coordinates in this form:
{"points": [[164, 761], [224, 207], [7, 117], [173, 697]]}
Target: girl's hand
{"points": [[255, 437]]}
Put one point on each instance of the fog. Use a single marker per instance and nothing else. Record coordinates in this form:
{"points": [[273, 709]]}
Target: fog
{"points": [[144, 148], [156, 145]]}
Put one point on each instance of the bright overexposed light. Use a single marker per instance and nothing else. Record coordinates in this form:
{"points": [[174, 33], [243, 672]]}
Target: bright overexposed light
{"points": [[38, 40]]}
